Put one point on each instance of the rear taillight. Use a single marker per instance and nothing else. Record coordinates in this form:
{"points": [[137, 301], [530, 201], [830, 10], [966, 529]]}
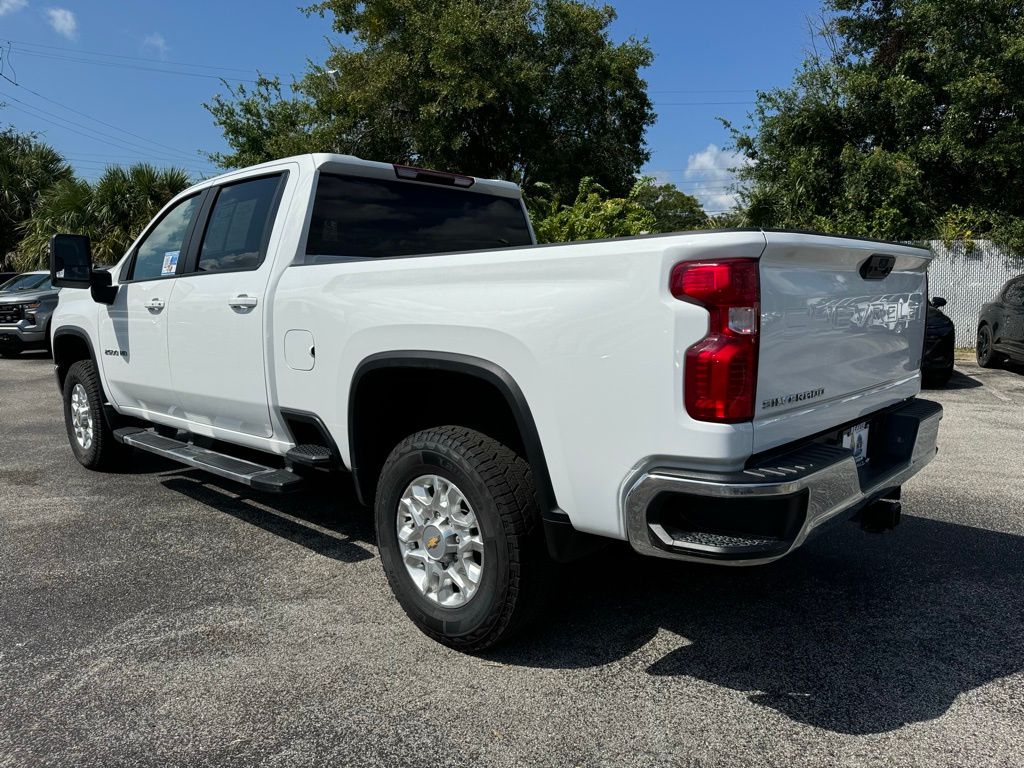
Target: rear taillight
{"points": [[721, 368]]}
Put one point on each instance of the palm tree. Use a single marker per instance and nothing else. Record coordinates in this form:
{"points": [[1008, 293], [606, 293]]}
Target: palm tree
{"points": [[28, 168], [111, 212]]}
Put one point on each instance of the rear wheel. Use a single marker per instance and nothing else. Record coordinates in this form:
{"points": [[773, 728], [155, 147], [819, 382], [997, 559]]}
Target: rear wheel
{"points": [[937, 380], [986, 355], [9, 353], [91, 438], [458, 528]]}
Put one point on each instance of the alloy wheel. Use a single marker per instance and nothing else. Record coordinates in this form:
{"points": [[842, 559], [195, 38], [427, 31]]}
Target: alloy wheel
{"points": [[440, 541], [81, 417]]}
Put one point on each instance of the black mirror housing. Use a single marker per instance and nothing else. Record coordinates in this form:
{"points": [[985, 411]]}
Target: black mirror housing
{"points": [[101, 286], [70, 261], [938, 302]]}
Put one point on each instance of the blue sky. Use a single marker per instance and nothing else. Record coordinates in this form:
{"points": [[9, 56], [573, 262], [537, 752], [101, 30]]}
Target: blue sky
{"points": [[116, 82]]}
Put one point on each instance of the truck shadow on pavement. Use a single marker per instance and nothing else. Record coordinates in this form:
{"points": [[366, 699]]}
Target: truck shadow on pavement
{"points": [[957, 381], [326, 520], [854, 633]]}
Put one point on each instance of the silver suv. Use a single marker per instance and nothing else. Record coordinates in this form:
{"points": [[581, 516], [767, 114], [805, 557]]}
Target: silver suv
{"points": [[26, 303]]}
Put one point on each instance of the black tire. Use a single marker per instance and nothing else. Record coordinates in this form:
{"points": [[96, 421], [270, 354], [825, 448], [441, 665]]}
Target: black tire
{"points": [[937, 379], [102, 451], [498, 485], [987, 358], [9, 353]]}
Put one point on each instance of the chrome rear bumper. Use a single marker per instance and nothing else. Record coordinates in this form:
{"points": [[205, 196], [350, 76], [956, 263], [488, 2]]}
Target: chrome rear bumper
{"points": [[803, 488]]}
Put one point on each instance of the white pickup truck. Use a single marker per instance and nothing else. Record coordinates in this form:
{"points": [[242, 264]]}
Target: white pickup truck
{"points": [[708, 396]]}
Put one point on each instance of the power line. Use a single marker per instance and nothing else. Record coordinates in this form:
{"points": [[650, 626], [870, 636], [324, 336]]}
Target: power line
{"points": [[128, 158], [80, 52], [701, 103], [115, 164], [711, 90], [71, 126], [97, 120], [117, 65]]}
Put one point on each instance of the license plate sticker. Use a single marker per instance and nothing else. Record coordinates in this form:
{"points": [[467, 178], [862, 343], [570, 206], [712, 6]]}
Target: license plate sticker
{"points": [[856, 438]]}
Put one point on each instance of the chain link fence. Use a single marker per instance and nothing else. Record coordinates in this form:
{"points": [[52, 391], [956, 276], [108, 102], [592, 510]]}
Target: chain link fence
{"points": [[967, 278]]}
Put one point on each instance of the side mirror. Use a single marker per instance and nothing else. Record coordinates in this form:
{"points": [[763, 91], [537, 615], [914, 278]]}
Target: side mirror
{"points": [[71, 267], [938, 302], [70, 261]]}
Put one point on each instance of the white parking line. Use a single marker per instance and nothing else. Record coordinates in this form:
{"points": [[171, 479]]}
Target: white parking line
{"points": [[999, 395]]}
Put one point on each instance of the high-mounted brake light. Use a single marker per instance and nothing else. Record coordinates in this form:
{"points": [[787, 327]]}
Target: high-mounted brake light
{"points": [[721, 369], [433, 177]]}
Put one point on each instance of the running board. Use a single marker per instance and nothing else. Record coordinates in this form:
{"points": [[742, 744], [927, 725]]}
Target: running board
{"points": [[246, 472]]}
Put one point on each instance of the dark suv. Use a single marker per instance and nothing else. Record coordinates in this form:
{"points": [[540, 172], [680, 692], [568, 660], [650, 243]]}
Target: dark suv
{"points": [[1001, 326]]}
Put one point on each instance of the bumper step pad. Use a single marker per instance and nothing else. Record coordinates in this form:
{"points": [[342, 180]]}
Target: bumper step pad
{"points": [[246, 472], [770, 507]]}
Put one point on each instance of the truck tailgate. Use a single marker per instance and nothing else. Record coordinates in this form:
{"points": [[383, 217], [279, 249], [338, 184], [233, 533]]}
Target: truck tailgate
{"points": [[841, 335]]}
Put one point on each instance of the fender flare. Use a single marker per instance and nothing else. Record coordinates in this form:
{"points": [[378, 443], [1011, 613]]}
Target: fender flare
{"points": [[70, 330], [480, 368]]}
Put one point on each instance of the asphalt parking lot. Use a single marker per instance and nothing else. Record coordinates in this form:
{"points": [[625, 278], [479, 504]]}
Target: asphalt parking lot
{"points": [[159, 617]]}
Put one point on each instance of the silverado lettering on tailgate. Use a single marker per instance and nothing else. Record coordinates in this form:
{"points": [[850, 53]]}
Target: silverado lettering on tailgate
{"points": [[796, 397]]}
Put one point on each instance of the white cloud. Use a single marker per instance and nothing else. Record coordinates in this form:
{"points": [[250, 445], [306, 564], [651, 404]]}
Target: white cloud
{"points": [[10, 6], [712, 177], [63, 22], [156, 43]]}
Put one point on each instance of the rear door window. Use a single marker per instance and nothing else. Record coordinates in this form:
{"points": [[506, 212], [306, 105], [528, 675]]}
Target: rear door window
{"points": [[360, 217], [239, 226]]}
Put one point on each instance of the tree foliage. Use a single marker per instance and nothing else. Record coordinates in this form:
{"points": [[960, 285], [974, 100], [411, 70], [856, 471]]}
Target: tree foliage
{"points": [[673, 209], [594, 213], [524, 90], [28, 168], [907, 125], [111, 212]]}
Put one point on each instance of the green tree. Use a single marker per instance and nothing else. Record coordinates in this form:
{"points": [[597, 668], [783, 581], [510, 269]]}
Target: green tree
{"points": [[905, 125], [525, 90], [111, 212], [591, 215], [28, 168], [673, 209]]}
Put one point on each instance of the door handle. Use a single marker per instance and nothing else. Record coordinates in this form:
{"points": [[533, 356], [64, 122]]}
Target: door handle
{"points": [[243, 301], [154, 304]]}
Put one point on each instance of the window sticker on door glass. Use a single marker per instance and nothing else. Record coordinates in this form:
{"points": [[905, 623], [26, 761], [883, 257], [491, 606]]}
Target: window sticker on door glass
{"points": [[170, 263]]}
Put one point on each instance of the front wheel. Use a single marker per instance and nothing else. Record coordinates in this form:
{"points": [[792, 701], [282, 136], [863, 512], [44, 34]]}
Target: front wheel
{"points": [[986, 355], [91, 438], [459, 532]]}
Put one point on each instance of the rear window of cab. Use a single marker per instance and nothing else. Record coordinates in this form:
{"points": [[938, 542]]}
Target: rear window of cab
{"points": [[359, 217]]}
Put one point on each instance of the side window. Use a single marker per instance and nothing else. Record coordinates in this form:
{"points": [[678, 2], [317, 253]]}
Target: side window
{"points": [[157, 255], [1015, 293], [236, 235]]}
